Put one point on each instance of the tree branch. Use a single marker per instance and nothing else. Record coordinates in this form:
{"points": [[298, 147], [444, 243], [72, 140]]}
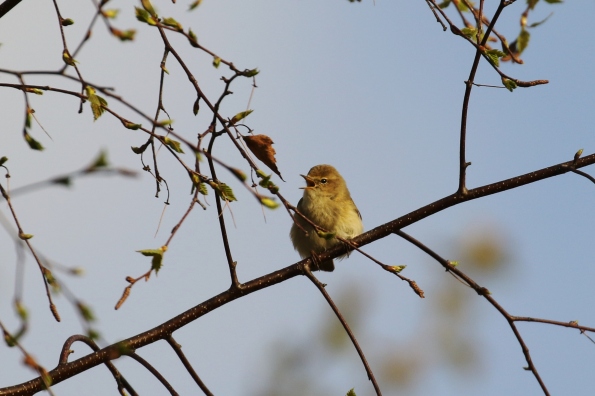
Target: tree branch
{"points": [[7, 6], [164, 330]]}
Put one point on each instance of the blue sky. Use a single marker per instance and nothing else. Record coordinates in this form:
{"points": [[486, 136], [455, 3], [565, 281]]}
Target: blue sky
{"points": [[374, 89]]}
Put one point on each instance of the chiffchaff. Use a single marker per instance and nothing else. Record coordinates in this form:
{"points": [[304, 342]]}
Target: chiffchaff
{"points": [[328, 204]]}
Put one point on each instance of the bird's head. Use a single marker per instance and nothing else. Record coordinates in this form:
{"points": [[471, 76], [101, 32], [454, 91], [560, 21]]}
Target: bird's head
{"points": [[324, 180]]}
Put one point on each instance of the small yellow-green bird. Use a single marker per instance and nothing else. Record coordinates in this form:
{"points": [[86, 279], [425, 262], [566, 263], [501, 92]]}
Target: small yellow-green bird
{"points": [[327, 203]]}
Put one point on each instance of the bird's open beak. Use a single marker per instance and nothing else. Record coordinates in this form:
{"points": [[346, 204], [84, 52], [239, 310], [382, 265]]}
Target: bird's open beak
{"points": [[309, 182]]}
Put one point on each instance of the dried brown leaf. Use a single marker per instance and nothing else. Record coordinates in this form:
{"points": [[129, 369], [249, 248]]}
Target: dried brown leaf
{"points": [[262, 147]]}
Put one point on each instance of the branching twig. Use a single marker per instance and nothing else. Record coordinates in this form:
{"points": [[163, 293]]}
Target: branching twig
{"points": [[66, 351], [482, 291]]}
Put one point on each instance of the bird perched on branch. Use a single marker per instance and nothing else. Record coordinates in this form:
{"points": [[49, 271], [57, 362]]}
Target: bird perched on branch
{"points": [[328, 204]]}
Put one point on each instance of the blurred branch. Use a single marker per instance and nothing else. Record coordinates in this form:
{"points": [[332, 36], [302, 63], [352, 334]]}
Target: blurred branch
{"points": [[65, 179], [482, 291], [7, 5]]}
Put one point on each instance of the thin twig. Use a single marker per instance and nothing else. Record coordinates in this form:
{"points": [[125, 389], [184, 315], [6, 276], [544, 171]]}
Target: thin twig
{"points": [[153, 371], [178, 350], [45, 273], [335, 309], [66, 351]]}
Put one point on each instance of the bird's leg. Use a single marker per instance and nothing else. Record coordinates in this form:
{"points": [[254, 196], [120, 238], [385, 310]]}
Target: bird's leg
{"points": [[315, 260], [326, 265], [349, 244]]}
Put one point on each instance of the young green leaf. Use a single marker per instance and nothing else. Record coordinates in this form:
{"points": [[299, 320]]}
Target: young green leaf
{"points": [[34, 144], [141, 15], [226, 192], [262, 175], [240, 116], [141, 149], [195, 107], [93, 334], [194, 4], [67, 22], [68, 59], [523, 40], [111, 14], [397, 268], [202, 188], [126, 35], [265, 181], [171, 22], [469, 31], [325, 235], [131, 125], [239, 174], [274, 189], [3, 160], [36, 91], [269, 203], [216, 62], [85, 311], [28, 117], [509, 84], [251, 73], [173, 144], [494, 56], [21, 310], [24, 236], [144, 16], [462, 6], [223, 190], [49, 277], [165, 122], [157, 255], [194, 177], [192, 38], [97, 102], [149, 7], [100, 162]]}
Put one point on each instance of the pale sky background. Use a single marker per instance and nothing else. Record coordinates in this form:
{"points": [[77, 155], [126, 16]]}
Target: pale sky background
{"points": [[375, 90]]}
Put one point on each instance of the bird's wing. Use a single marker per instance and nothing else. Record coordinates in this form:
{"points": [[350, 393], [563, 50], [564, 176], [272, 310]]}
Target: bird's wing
{"points": [[356, 209]]}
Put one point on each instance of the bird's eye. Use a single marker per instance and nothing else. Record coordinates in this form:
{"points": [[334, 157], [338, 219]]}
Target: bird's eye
{"points": [[323, 181]]}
